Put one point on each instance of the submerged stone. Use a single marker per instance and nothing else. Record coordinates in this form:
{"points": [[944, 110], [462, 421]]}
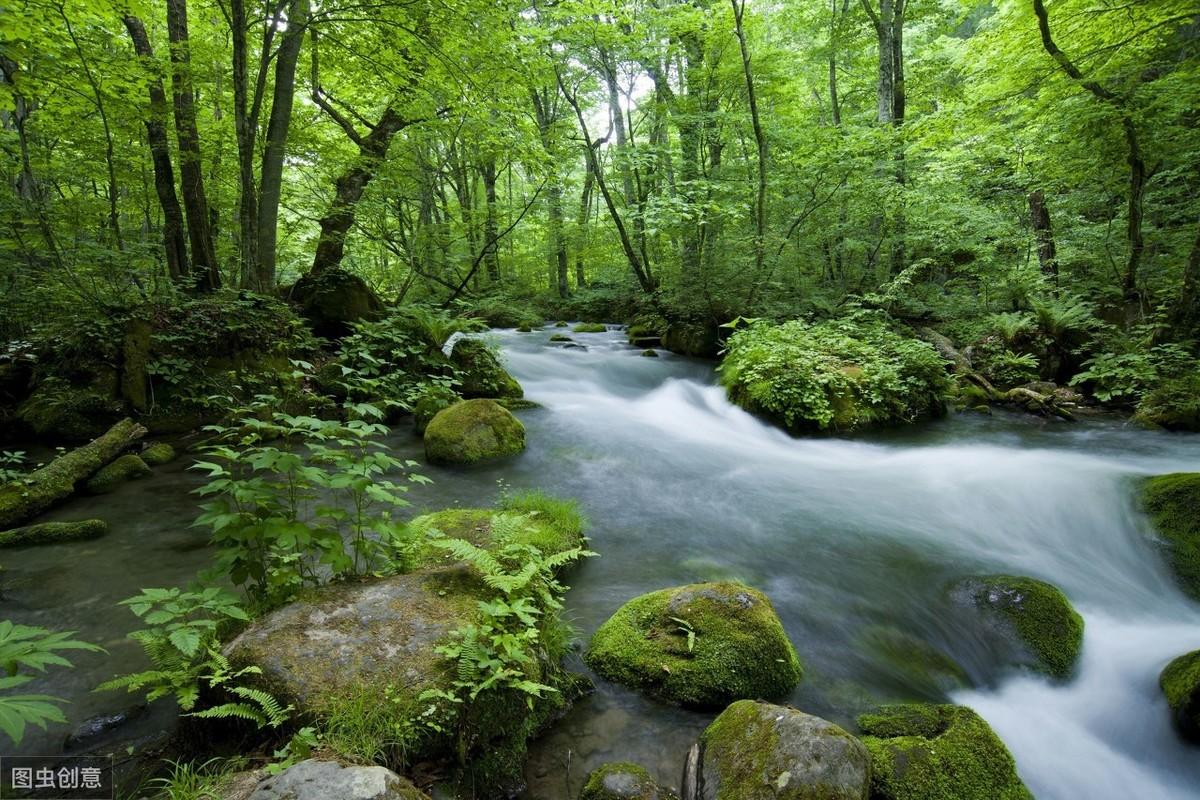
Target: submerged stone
{"points": [[937, 752], [158, 453], [126, 468], [1037, 613], [623, 781], [561, 337], [51, 532], [912, 661], [473, 430], [758, 751], [1173, 505], [703, 645], [1180, 683], [650, 353]]}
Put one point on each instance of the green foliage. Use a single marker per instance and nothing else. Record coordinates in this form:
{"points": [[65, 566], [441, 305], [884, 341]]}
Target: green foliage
{"points": [[837, 375], [397, 358], [181, 641], [22, 649], [192, 781], [12, 465], [295, 500], [1129, 376]]}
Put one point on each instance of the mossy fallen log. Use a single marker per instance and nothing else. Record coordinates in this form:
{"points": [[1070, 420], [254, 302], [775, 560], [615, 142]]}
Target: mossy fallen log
{"points": [[52, 532], [32, 494]]}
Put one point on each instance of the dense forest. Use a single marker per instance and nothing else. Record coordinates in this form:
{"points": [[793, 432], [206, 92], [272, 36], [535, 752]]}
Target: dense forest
{"points": [[245, 243]]}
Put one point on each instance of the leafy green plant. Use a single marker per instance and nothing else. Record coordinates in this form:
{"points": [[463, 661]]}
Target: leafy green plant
{"points": [[182, 643], [1009, 369], [296, 500], [24, 648], [686, 628], [12, 465], [299, 747], [191, 781], [1012, 324]]}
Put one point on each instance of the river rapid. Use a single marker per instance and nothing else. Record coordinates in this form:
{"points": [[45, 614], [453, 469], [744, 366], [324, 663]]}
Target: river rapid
{"points": [[849, 538]]}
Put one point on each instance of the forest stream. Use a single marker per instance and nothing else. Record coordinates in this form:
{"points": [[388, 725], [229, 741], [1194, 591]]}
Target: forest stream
{"points": [[848, 537]]}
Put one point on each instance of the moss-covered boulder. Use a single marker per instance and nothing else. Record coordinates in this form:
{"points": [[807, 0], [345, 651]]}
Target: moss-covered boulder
{"points": [[758, 751], [833, 376], [692, 339], [702, 645], [590, 327], [377, 641], [561, 338], [473, 430], [1180, 682], [1173, 505], [937, 752], [59, 411], [431, 401], [623, 781], [1174, 404], [1035, 613], [550, 524], [650, 354], [51, 532], [480, 373], [126, 468], [333, 300], [158, 453], [910, 662]]}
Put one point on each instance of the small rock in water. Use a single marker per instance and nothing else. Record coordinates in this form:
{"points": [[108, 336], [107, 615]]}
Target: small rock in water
{"points": [[650, 353], [93, 728], [329, 780]]}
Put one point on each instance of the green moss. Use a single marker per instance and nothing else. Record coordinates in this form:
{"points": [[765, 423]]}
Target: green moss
{"points": [[590, 327], [913, 661], [560, 324], [622, 781], [1174, 403], [158, 453], [432, 401], [1173, 504], [1040, 615], [691, 339], [561, 337], [745, 745], [650, 353], [126, 468], [839, 375], [739, 648], [59, 411], [524, 329], [1180, 682], [937, 752], [51, 532], [480, 373], [471, 431], [554, 526], [517, 403]]}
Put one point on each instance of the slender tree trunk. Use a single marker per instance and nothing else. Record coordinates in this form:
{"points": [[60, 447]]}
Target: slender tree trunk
{"points": [[245, 130], [174, 241], [1185, 316], [688, 121], [195, 204], [557, 243], [585, 205], [760, 141], [491, 260], [271, 182], [1043, 234]]}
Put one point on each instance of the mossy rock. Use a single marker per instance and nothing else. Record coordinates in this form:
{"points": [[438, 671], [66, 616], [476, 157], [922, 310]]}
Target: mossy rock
{"points": [[623, 781], [330, 381], [650, 353], [158, 453], [428, 405], [126, 468], [646, 330], [560, 324], [738, 648], [937, 752], [1174, 404], [334, 300], [480, 373], [60, 412], [1173, 505], [912, 662], [1036, 613], [51, 532], [590, 327], [524, 329], [553, 526], [378, 639], [473, 430], [692, 339], [1180, 682], [561, 337], [759, 751], [517, 403]]}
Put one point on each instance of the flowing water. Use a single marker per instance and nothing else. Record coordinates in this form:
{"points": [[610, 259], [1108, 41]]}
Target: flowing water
{"points": [[853, 541]]}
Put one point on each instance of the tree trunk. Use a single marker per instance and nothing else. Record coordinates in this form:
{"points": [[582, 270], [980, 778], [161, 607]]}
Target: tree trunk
{"points": [[1185, 316], [1043, 234], [271, 182], [760, 141], [487, 171], [348, 189], [174, 241], [585, 205], [24, 499], [688, 123], [195, 204]]}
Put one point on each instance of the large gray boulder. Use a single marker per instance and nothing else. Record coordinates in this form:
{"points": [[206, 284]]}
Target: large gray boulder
{"points": [[759, 751], [329, 780]]}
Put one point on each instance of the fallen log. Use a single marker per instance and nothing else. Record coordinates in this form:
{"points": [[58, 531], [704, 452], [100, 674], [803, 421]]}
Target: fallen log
{"points": [[30, 495]]}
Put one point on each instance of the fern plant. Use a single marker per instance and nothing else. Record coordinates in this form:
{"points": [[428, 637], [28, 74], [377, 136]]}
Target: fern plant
{"points": [[184, 649], [23, 648]]}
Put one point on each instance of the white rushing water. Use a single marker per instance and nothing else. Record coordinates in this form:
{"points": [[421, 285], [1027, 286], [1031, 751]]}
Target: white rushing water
{"points": [[816, 522]]}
